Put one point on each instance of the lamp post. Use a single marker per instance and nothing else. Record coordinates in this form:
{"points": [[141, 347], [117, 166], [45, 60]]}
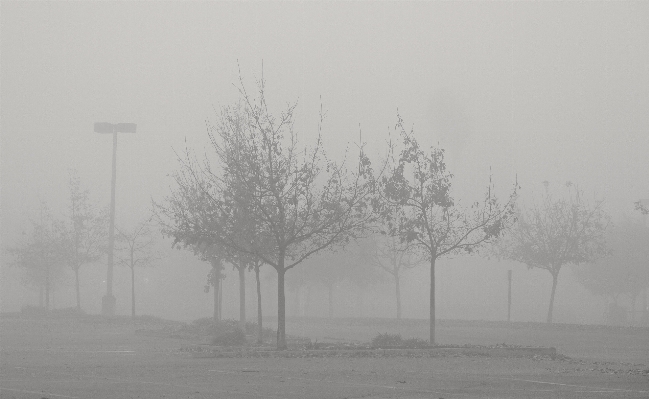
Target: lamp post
{"points": [[108, 301]]}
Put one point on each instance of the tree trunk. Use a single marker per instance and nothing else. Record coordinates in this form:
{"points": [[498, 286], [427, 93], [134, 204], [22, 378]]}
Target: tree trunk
{"points": [[41, 301], [216, 272], [633, 301], [331, 301], [296, 309], [555, 278], [242, 296], [76, 286], [359, 303], [645, 313], [47, 287], [220, 284], [260, 329], [215, 315], [432, 300], [307, 302], [132, 291], [396, 281], [281, 309]]}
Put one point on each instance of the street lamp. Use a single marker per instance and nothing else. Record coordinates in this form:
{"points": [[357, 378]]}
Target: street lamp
{"points": [[108, 301]]}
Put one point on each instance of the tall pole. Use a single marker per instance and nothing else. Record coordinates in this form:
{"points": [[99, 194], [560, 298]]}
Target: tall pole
{"points": [[108, 301]]}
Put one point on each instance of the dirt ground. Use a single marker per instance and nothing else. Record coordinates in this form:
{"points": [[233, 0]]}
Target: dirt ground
{"points": [[619, 344], [54, 358]]}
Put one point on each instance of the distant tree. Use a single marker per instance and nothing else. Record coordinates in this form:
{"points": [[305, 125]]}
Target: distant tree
{"points": [[191, 200], [295, 284], [88, 229], [135, 247], [359, 269], [299, 202], [327, 269], [256, 266], [43, 256], [625, 269], [392, 255], [176, 217], [557, 232], [642, 206], [418, 186], [214, 256], [241, 263]]}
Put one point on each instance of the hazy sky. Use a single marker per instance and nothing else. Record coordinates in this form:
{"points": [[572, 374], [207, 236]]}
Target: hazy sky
{"points": [[543, 90]]}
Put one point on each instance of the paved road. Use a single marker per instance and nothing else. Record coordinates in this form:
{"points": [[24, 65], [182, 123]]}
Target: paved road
{"points": [[54, 359]]}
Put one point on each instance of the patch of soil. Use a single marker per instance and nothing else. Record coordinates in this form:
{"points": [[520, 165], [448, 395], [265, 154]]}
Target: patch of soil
{"points": [[352, 350]]}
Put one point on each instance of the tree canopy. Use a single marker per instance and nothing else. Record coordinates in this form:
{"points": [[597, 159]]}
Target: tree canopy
{"points": [[262, 193], [625, 268], [44, 254], [87, 230], [555, 232], [417, 205]]}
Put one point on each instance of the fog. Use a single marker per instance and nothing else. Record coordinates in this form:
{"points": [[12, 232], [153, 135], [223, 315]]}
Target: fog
{"points": [[526, 91]]}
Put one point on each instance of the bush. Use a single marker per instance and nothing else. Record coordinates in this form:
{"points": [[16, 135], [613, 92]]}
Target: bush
{"points": [[207, 326], [415, 343], [395, 341], [231, 338], [386, 340], [267, 333]]}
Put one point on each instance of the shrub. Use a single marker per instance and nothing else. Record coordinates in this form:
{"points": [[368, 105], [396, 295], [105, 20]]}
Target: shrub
{"points": [[207, 326], [267, 333], [386, 340], [231, 338]]}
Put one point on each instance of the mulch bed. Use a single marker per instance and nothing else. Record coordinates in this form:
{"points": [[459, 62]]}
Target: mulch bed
{"points": [[351, 351]]}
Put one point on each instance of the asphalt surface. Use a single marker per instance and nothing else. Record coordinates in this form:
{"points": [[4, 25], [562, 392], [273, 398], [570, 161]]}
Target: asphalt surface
{"points": [[67, 359]]}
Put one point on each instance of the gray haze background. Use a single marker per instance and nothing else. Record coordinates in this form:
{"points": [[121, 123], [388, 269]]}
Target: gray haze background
{"points": [[534, 90]]}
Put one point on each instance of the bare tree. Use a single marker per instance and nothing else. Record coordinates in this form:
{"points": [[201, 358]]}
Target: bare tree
{"points": [[327, 269], [87, 231], [214, 256], [392, 255], [43, 255], [298, 201], [625, 268], [557, 232], [359, 269], [191, 195], [135, 248], [241, 265], [255, 265], [417, 189]]}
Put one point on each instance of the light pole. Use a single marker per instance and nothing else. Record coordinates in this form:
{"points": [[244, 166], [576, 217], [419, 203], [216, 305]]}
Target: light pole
{"points": [[108, 301]]}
